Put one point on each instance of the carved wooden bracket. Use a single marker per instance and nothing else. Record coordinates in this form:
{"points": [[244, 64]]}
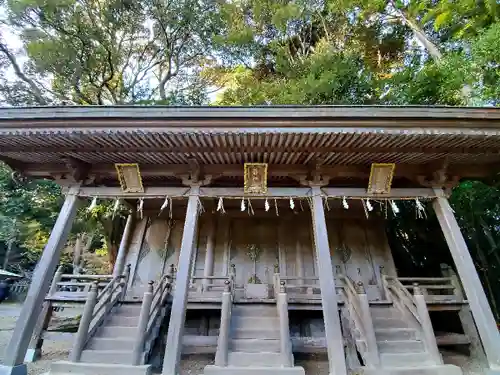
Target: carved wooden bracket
{"points": [[78, 169]]}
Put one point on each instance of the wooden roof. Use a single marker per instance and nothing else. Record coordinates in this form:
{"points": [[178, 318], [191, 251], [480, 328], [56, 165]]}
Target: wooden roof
{"points": [[169, 142]]}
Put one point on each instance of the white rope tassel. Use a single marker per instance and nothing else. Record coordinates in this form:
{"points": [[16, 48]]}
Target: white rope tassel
{"points": [[292, 203], [250, 208], [369, 205], [394, 207], [93, 204], [365, 207], [220, 206], [276, 207], [345, 204], [140, 207], [266, 205], [242, 205]]}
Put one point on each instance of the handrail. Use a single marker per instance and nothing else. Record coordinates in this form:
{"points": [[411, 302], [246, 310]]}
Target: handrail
{"points": [[285, 340], [361, 321], [404, 299], [221, 354], [97, 308]]}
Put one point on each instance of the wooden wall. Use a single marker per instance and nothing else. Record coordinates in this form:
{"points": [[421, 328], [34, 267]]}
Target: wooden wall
{"points": [[358, 248]]}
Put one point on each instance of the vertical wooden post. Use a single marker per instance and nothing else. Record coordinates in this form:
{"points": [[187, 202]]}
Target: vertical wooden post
{"points": [[34, 351], [299, 261], [483, 316], [223, 340], [137, 354], [56, 279], [425, 320], [18, 344], [333, 333], [209, 253], [178, 311], [83, 328], [285, 341]]}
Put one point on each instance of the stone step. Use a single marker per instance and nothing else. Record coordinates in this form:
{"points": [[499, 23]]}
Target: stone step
{"points": [[103, 343], [246, 322], [123, 321], [405, 359], [128, 310], [384, 312], [254, 345], [65, 368], [107, 356], [389, 323], [237, 370], [116, 332], [263, 359], [395, 334], [403, 346], [255, 310], [245, 333], [423, 370]]}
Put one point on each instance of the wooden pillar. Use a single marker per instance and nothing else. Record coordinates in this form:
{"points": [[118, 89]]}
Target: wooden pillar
{"points": [[333, 333], [40, 284], [208, 269], [299, 260], [178, 311], [122, 250], [483, 316]]}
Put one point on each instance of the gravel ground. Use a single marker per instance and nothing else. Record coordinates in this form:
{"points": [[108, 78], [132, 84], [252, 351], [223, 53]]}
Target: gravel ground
{"points": [[190, 364]]}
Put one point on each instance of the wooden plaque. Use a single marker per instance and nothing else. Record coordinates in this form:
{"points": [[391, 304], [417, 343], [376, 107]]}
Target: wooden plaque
{"points": [[381, 178], [255, 178]]}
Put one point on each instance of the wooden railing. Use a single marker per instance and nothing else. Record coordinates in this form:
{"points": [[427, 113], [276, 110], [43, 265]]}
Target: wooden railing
{"points": [[360, 321], [206, 282], [285, 340], [435, 289], [97, 308], [152, 312], [414, 308]]}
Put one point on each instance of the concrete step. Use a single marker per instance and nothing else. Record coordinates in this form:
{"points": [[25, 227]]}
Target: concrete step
{"points": [[255, 310], [263, 359], [245, 322], [107, 356], [403, 346], [245, 333], [394, 334], [405, 359], [103, 343], [116, 332], [254, 345], [123, 321], [389, 323], [65, 368], [236, 370]]}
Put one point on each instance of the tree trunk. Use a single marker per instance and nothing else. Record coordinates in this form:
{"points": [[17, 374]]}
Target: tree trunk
{"points": [[7, 253]]}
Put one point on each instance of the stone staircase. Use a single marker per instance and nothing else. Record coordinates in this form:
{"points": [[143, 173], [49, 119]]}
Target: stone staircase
{"points": [[254, 343], [401, 349]]}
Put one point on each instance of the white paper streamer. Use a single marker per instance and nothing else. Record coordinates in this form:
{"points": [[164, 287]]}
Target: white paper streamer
{"points": [[345, 204], [115, 207], [242, 205], [394, 207], [220, 206], [369, 205], [266, 205], [420, 209], [140, 207], [292, 203], [164, 205], [93, 204]]}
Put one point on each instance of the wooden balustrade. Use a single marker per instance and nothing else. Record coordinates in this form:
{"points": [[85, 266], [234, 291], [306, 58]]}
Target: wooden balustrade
{"points": [[285, 341]]}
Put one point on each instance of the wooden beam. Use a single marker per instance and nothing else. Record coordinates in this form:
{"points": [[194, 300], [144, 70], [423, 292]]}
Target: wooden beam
{"points": [[246, 149], [275, 192]]}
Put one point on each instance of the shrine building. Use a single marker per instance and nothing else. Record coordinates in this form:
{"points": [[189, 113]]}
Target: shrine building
{"points": [[255, 235]]}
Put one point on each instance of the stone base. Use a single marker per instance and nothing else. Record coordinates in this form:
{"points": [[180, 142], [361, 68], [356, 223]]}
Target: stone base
{"points": [[32, 355], [14, 370], [428, 370], [234, 370], [65, 368]]}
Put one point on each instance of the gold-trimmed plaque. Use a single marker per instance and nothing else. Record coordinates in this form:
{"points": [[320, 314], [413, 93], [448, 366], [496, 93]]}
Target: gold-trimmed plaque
{"points": [[130, 178], [255, 178], [381, 178]]}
